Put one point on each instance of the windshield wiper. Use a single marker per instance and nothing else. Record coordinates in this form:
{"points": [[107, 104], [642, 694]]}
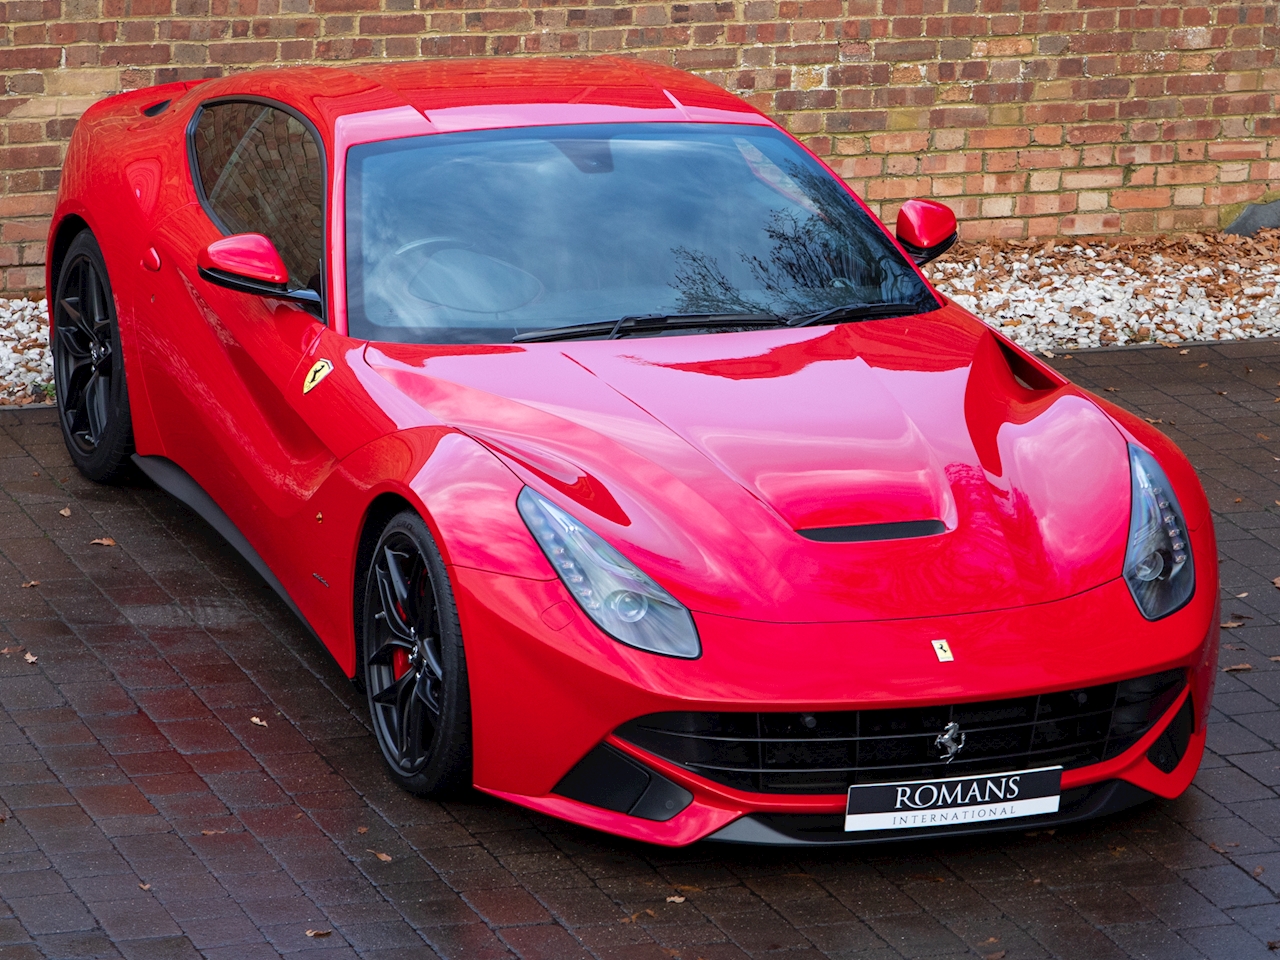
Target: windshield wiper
{"points": [[856, 311], [651, 323]]}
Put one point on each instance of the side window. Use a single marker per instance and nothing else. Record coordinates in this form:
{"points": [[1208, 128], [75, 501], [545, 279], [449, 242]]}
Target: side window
{"points": [[261, 172]]}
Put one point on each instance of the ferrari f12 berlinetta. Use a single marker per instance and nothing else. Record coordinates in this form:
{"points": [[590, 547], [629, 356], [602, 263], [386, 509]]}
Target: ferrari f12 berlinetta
{"points": [[625, 459]]}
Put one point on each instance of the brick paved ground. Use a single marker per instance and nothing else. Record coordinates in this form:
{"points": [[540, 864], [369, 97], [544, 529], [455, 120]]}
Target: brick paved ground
{"points": [[146, 817]]}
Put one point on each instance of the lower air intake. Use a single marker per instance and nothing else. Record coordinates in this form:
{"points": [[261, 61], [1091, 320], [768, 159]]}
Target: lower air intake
{"points": [[826, 752]]}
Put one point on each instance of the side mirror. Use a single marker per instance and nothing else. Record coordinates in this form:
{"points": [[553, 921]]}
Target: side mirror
{"points": [[926, 229], [250, 263]]}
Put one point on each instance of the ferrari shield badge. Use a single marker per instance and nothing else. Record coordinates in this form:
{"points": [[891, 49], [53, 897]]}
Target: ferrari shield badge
{"points": [[319, 370], [943, 650]]}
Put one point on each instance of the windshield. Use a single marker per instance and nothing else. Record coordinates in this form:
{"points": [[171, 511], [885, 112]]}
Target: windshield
{"points": [[479, 237]]}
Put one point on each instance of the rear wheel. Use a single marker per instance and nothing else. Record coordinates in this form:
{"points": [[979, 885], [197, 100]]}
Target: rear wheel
{"points": [[413, 663], [88, 366]]}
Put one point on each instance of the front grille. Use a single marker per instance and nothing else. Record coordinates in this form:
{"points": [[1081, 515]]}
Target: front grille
{"points": [[826, 752]]}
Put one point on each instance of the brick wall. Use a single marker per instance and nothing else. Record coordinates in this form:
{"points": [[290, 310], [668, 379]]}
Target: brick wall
{"points": [[1028, 117]]}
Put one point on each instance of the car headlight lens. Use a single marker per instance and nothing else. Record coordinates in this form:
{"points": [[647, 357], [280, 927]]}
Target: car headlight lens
{"points": [[622, 600], [1157, 563]]}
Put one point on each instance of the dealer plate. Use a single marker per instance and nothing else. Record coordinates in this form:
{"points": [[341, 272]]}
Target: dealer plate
{"points": [[953, 801]]}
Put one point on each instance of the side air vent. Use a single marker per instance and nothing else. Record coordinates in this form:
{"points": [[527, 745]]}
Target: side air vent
{"points": [[608, 778], [157, 108], [901, 530], [1028, 374]]}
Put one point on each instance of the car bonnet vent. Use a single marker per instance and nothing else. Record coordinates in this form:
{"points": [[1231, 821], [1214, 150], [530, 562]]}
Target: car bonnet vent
{"points": [[901, 530], [157, 108]]}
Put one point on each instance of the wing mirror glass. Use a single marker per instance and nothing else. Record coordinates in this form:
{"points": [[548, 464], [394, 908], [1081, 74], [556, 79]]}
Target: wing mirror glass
{"points": [[250, 263], [926, 229]]}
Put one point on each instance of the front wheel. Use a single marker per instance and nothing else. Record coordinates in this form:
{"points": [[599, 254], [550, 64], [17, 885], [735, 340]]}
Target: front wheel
{"points": [[88, 366], [413, 663]]}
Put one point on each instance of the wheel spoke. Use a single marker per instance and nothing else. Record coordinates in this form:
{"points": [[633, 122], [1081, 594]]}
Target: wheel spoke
{"points": [[428, 692], [391, 609], [95, 397], [382, 656], [393, 694]]}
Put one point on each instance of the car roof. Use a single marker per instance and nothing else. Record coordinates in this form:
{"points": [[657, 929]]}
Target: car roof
{"points": [[597, 89]]}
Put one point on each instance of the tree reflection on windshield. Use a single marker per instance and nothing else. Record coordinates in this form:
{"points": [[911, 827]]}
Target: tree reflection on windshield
{"points": [[818, 261]]}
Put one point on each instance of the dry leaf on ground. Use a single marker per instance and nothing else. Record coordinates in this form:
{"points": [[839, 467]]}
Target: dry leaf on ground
{"points": [[211, 833], [31, 583], [1259, 871], [8, 650], [675, 899], [103, 542], [1232, 624], [257, 721], [362, 829], [319, 933], [384, 857], [1238, 668], [65, 511], [144, 886], [30, 657]]}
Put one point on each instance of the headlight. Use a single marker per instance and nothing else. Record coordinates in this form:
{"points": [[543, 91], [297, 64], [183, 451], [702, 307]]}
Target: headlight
{"points": [[622, 600], [1157, 563]]}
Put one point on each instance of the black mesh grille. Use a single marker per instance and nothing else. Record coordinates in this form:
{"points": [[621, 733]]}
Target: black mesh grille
{"points": [[826, 752]]}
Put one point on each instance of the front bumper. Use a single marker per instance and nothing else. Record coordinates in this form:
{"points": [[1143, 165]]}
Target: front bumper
{"points": [[547, 688]]}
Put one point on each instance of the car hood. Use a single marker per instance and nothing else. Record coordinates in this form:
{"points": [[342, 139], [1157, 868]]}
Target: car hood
{"points": [[700, 457]]}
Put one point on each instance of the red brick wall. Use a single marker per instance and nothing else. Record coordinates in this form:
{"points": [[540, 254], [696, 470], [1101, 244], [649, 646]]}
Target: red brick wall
{"points": [[1028, 117]]}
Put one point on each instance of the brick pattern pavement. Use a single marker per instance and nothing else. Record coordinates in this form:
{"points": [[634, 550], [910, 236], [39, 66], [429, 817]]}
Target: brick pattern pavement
{"points": [[146, 817]]}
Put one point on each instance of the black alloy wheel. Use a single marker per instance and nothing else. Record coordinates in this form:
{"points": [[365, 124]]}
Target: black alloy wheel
{"points": [[88, 366], [413, 664]]}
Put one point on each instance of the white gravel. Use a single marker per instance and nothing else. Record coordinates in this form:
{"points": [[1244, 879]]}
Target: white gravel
{"points": [[26, 370], [1045, 296], [1165, 289]]}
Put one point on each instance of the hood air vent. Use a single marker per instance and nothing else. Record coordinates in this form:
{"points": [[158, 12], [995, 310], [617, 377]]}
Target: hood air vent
{"points": [[901, 530]]}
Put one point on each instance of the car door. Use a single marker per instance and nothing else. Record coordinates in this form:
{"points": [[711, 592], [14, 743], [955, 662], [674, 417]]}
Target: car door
{"points": [[227, 361]]}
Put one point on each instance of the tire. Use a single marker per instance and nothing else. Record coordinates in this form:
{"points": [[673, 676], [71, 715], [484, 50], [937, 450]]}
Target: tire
{"points": [[412, 661], [88, 366]]}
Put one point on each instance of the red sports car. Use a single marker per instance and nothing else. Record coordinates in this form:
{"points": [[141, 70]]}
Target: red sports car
{"points": [[622, 456]]}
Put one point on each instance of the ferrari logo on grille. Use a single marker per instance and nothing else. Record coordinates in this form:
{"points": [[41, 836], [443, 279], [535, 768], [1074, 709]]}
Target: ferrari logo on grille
{"points": [[943, 650], [319, 370], [950, 741]]}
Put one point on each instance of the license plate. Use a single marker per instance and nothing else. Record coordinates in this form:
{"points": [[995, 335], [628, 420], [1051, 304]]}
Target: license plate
{"points": [[953, 801]]}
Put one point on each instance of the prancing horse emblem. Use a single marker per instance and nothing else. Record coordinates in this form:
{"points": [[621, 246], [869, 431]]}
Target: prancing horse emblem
{"points": [[319, 370], [950, 741]]}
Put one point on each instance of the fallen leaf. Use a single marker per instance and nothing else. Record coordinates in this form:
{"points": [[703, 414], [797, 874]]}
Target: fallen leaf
{"points": [[1238, 668], [1216, 849], [688, 888], [1259, 871], [297, 816], [211, 833], [103, 542], [30, 657], [991, 940], [675, 899], [1239, 500], [65, 511], [1273, 944], [1240, 616], [1232, 646], [35, 473], [650, 913], [1066, 356], [384, 857], [1276, 583], [1149, 420], [319, 933], [362, 829], [1263, 436], [257, 721], [630, 919], [32, 583], [144, 886], [1231, 624], [1221, 393], [1037, 880], [64, 480], [1183, 353], [998, 955], [1110, 389], [1203, 365], [1241, 596], [1048, 353], [8, 650]]}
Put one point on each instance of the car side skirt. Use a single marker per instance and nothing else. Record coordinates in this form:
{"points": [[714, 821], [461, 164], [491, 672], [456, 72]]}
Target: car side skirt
{"points": [[176, 482]]}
